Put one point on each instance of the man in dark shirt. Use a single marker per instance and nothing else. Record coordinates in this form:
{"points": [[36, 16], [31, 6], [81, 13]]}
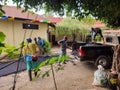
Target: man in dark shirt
{"points": [[63, 46]]}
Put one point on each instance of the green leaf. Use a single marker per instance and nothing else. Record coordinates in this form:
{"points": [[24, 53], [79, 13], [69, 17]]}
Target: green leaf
{"points": [[2, 44], [46, 74], [12, 51], [35, 77], [59, 68], [63, 58], [2, 36], [52, 60], [41, 65], [0, 51]]}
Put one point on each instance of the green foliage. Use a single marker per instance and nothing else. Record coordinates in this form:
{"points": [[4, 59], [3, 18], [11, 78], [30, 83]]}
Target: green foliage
{"points": [[46, 74], [59, 68], [22, 44], [89, 20], [2, 36], [105, 10], [63, 58], [2, 44], [47, 62], [1, 11], [1, 47], [12, 51], [38, 74], [47, 47], [98, 38], [51, 61], [70, 26]]}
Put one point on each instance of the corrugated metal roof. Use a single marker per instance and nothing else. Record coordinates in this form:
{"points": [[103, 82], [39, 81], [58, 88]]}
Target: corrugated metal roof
{"points": [[54, 19], [12, 11]]}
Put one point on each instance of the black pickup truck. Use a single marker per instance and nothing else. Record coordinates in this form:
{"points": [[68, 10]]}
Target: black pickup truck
{"points": [[101, 54]]}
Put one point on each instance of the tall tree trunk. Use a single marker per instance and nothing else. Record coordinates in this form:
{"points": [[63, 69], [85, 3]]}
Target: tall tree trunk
{"points": [[116, 58], [116, 62]]}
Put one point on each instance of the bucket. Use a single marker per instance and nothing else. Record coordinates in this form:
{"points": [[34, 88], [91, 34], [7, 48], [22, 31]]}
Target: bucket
{"points": [[112, 81]]}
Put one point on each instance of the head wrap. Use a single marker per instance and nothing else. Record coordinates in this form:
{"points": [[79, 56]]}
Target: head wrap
{"points": [[28, 40]]}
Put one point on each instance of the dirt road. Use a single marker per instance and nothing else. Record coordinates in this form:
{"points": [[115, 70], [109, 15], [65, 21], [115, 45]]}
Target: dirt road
{"points": [[73, 77]]}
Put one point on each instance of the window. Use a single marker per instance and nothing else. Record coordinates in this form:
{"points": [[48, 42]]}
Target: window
{"points": [[109, 39], [119, 39], [30, 26]]}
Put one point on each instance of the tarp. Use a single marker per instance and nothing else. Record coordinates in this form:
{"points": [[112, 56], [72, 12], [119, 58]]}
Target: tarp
{"points": [[10, 67]]}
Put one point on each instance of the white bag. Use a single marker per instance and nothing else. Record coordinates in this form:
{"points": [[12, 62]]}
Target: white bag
{"points": [[100, 78]]}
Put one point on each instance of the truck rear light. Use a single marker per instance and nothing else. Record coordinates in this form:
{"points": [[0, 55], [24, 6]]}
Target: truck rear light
{"points": [[81, 52]]}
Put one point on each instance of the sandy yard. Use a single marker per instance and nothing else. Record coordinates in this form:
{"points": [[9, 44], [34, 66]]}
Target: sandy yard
{"points": [[73, 77]]}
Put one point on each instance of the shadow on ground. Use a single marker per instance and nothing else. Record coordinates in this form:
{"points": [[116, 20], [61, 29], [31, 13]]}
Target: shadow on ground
{"points": [[10, 67]]}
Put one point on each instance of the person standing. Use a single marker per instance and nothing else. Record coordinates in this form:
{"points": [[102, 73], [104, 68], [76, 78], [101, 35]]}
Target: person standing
{"points": [[41, 45], [38, 43], [44, 45], [63, 47], [29, 53]]}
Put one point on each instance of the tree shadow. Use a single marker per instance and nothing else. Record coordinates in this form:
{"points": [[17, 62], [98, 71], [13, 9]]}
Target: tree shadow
{"points": [[90, 65]]}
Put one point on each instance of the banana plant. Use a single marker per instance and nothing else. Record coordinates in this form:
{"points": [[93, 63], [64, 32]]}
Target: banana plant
{"points": [[2, 38], [10, 50]]}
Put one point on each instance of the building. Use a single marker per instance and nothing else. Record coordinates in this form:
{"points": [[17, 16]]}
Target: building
{"points": [[17, 26]]}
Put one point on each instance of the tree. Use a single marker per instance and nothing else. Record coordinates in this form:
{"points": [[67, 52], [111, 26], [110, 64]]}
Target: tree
{"points": [[105, 10]]}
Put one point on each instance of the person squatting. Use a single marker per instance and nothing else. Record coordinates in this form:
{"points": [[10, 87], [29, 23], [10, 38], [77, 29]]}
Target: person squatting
{"points": [[43, 45]]}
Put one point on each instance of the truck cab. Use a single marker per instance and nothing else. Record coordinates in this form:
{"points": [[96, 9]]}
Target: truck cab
{"points": [[112, 39]]}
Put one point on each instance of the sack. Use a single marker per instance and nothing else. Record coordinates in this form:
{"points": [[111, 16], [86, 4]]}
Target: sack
{"points": [[34, 58], [99, 78]]}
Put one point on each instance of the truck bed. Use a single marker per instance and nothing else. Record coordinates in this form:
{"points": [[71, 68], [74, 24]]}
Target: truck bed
{"points": [[92, 51]]}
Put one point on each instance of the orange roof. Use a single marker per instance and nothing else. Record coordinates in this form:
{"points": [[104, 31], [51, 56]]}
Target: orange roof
{"points": [[99, 24], [54, 19], [12, 11]]}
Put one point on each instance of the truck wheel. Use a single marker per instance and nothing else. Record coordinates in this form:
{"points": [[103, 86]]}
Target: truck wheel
{"points": [[103, 60]]}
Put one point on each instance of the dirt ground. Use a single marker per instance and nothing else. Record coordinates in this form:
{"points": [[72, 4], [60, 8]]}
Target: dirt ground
{"points": [[75, 76]]}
